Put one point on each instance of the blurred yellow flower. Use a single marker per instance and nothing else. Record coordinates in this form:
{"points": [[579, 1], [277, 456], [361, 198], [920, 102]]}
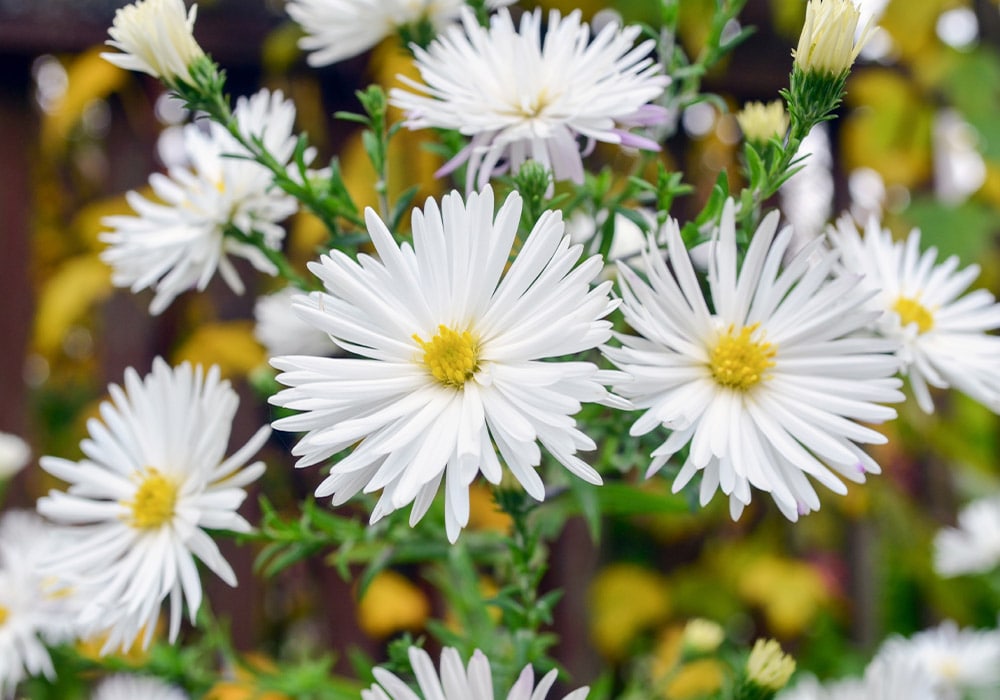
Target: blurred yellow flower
{"points": [[230, 345], [625, 600], [244, 686], [484, 514], [392, 604], [789, 592], [680, 680]]}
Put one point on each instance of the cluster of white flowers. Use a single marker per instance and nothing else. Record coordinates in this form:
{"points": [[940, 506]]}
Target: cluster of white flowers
{"points": [[941, 663], [451, 349], [179, 242]]}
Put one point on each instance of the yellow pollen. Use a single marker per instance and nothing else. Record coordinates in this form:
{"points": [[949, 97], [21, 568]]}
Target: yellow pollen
{"points": [[739, 362], [154, 501], [451, 357], [4, 614], [912, 311]]}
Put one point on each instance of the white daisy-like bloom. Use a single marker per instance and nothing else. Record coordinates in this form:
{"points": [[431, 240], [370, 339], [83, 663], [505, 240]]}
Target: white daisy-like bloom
{"points": [[942, 334], [955, 659], [154, 477], [452, 369], [895, 678], [155, 37], [521, 97], [973, 546], [14, 455], [34, 608], [762, 379], [280, 330], [458, 682], [339, 29], [179, 242], [128, 687]]}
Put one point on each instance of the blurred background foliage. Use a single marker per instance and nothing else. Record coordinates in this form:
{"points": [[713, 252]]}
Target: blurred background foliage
{"points": [[920, 136]]}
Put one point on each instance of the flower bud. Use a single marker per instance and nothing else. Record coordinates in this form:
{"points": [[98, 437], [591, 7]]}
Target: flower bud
{"points": [[761, 122], [827, 43], [768, 667], [155, 37]]}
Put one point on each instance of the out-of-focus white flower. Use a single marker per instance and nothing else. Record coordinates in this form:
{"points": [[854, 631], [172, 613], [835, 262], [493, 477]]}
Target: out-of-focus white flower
{"points": [[457, 365], [955, 659], [457, 682], [126, 687], [959, 169], [280, 330], [942, 336], [153, 479], [35, 609], [155, 37], [895, 678], [973, 546], [339, 29], [763, 378], [807, 198], [521, 97], [830, 40], [178, 242], [14, 455]]}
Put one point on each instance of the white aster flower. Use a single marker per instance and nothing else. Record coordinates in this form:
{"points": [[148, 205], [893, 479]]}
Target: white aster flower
{"points": [[127, 687], [280, 330], [339, 29], [456, 682], [155, 37], [179, 242], [954, 659], [14, 455], [830, 40], [521, 97], [452, 365], [153, 478], [896, 678], [942, 335], [973, 546], [762, 379], [34, 609]]}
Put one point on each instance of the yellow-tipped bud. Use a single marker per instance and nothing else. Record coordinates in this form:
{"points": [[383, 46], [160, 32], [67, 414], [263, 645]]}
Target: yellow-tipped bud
{"points": [[768, 666], [702, 636], [761, 122]]}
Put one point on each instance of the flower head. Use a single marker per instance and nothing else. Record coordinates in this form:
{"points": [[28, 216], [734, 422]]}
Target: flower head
{"points": [[155, 37], [179, 243], [153, 478], [762, 122], [34, 608], [895, 678], [521, 97], [954, 659], [457, 682], [335, 31], [762, 379], [973, 546], [126, 687], [830, 41], [452, 369], [942, 335]]}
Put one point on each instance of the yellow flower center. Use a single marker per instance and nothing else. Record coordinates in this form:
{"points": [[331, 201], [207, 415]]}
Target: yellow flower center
{"points": [[154, 501], [912, 311], [738, 361], [450, 356], [4, 614]]}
